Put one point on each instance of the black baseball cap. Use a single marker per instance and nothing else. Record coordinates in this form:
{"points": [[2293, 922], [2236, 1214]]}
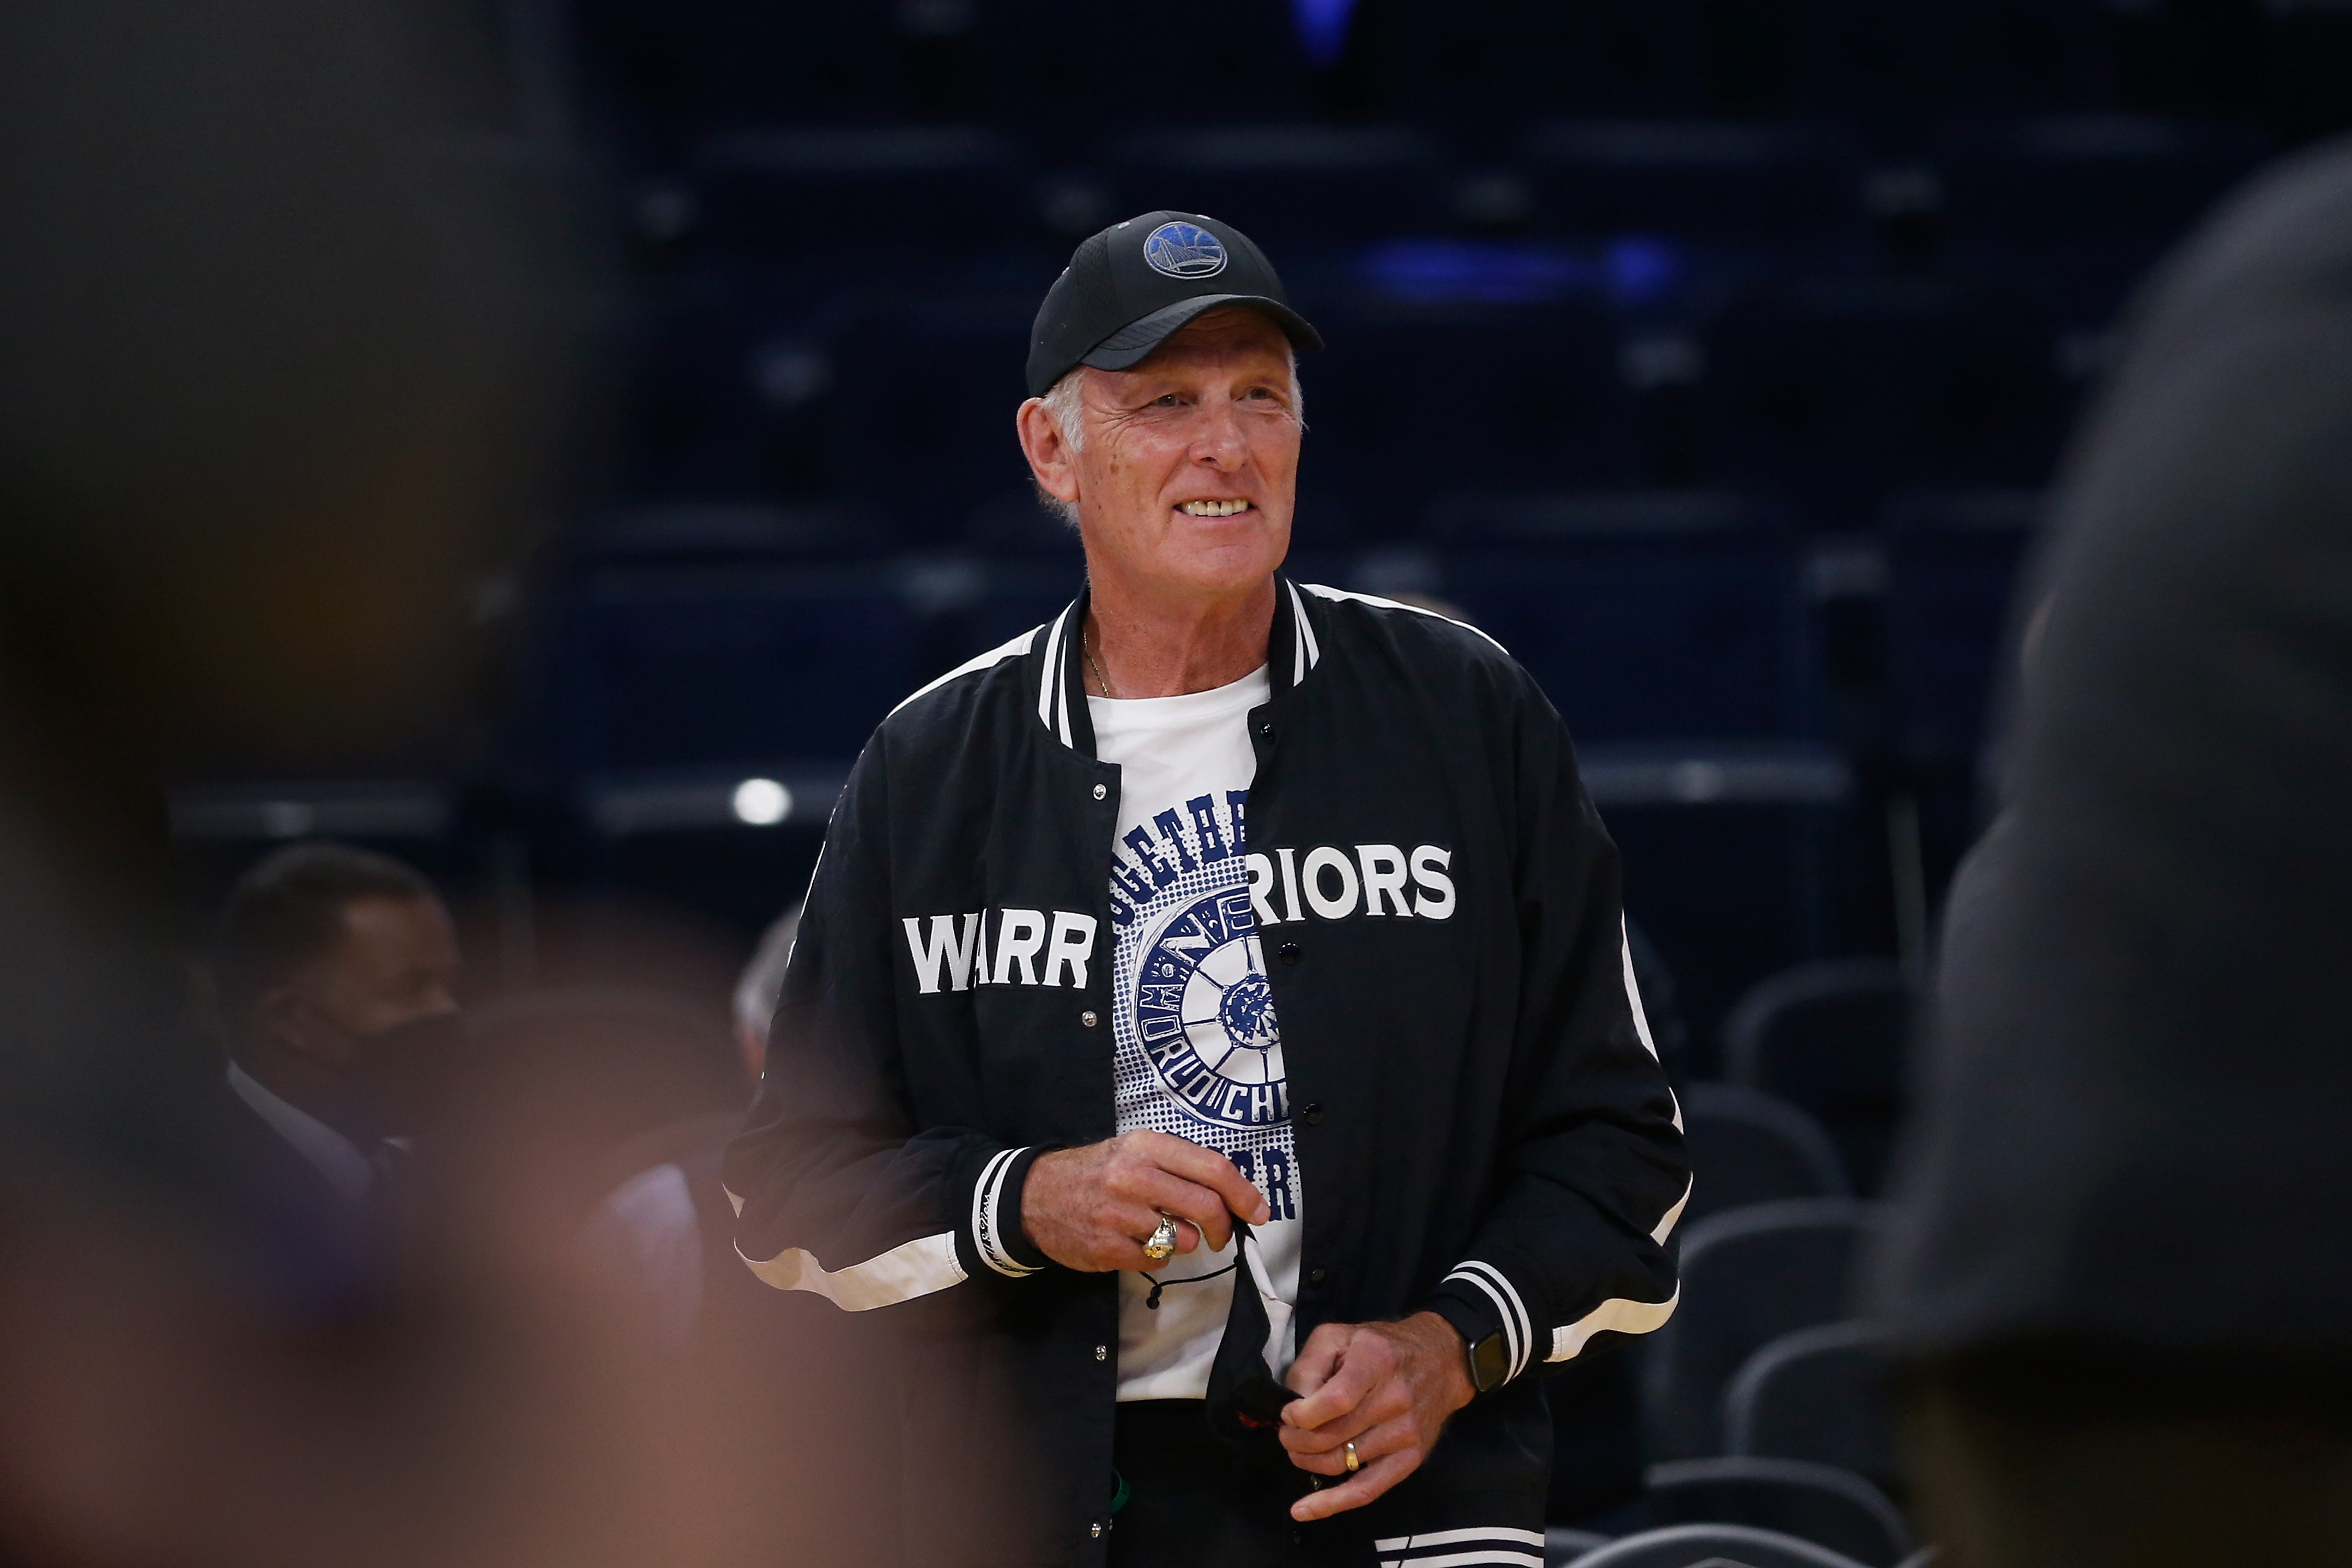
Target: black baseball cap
{"points": [[1128, 288]]}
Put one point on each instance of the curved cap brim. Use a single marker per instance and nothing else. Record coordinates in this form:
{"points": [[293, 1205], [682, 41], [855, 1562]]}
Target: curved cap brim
{"points": [[1133, 342]]}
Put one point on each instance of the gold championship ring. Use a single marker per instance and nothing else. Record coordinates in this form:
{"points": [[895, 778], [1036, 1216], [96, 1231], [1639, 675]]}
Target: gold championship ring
{"points": [[1162, 1245]]}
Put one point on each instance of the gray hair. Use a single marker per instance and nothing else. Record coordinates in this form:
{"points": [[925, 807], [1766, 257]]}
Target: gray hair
{"points": [[1062, 401]]}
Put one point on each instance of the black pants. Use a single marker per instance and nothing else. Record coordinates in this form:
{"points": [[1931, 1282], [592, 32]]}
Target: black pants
{"points": [[1195, 1503]]}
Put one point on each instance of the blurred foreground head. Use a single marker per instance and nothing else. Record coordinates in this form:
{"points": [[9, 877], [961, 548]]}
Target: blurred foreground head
{"points": [[2122, 1263], [275, 350], [275, 370]]}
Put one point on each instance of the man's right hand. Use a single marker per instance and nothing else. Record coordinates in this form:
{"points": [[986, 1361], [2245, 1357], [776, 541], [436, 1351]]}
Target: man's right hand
{"points": [[1093, 1208]]}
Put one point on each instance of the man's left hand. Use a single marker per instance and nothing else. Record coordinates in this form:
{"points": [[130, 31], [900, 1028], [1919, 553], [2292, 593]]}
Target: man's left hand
{"points": [[1385, 1387]]}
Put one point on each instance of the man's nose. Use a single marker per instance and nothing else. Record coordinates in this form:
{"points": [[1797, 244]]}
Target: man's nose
{"points": [[1221, 442]]}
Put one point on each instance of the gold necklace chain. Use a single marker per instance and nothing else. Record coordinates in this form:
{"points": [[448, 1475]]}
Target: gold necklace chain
{"points": [[1086, 646]]}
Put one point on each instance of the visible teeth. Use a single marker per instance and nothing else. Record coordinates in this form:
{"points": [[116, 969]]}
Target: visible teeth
{"points": [[1213, 507]]}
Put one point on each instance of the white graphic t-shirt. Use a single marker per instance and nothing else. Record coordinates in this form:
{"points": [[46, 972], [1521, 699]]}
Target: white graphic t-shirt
{"points": [[1197, 1052]]}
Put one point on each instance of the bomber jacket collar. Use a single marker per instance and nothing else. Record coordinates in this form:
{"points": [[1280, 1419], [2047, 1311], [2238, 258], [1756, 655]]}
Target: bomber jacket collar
{"points": [[1057, 671]]}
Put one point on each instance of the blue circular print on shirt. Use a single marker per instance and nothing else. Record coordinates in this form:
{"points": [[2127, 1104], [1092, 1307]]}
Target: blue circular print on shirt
{"points": [[1205, 1014]]}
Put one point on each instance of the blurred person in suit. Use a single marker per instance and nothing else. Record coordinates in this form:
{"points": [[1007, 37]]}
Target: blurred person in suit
{"points": [[2120, 1281], [336, 971]]}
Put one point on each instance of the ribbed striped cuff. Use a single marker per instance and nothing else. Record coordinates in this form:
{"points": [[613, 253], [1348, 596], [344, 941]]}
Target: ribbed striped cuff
{"points": [[1478, 1298], [996, 1233]]}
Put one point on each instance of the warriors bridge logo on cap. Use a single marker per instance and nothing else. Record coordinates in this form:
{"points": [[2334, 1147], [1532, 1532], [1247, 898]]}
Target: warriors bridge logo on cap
{"points": [[1184, 251]]}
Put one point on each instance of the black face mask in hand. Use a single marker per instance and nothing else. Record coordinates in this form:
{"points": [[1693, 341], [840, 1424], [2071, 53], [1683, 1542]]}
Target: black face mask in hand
{"points": [[1246, 1399]]}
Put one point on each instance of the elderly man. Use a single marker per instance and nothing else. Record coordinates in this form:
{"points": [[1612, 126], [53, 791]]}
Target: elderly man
{"points": [[1211, 1029]]}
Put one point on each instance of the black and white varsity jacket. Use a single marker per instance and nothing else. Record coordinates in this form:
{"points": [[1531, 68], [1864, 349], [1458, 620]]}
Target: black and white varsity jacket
{"points": [[1482, 1125]]}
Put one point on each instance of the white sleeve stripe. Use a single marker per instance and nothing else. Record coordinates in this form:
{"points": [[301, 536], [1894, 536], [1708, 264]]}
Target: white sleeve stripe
{"points": [[1526, 1345], [912, 1269], [1616, 1314], [1053, 666], [1666, 1226], [1321, 592], [987, 1195], [1493, 1557], [1453, 1537], [1510, 1330], [1634, 992], [1310, 652], [1517, 1335], [988, 660]]}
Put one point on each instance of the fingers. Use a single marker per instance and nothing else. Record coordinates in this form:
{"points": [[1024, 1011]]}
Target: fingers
{"points": [[1200, 1209], [1376, 1477], [1319, 1358], [1391, 1436], [1207, 1168], [1366, 1360], [1386, 1405]]}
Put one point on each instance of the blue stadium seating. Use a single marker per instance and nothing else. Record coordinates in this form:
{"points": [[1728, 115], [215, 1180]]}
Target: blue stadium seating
{"points": [[1413, 403], [1841, 389], [1751, 1147], [1315, 183], [1693, 178], [1827, 1506], [1712, 1546], [664, 666], [1953, 568], [2076, 177], [1748, 1276], [922, 423], [1819, 1395], [1644, 615], [939, 191], [1831, 1037]]}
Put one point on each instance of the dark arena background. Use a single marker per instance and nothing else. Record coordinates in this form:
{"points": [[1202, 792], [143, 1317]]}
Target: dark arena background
{"points": [[1716, 357], [1713, 357]]}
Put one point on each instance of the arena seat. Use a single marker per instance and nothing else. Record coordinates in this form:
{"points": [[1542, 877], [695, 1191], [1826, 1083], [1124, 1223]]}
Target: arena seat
{"points": [[1750, 1147], [1415, 403], [1288, 183], [1692, 178], [921, 423], [1953, 566], [1712, 1546], [1748, 1276], [1830, 1035], [2073, 177], [672, 666], [1842, 388], [1644, 614], [1829, 1507], [862, 189], [1815, 1394]]}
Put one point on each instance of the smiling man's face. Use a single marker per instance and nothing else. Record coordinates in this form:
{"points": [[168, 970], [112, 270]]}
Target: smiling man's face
{"points": [[1185, 482]]}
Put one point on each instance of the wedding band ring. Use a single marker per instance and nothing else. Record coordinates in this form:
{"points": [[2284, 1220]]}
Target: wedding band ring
{"points": [[1354, 1463], [1162, 1245]]}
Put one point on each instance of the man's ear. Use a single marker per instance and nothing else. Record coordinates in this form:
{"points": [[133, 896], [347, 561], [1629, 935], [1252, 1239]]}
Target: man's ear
{"points": [[1051, 462]]}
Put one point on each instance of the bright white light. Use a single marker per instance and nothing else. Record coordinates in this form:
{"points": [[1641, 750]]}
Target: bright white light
{"points": [[762, 803]]}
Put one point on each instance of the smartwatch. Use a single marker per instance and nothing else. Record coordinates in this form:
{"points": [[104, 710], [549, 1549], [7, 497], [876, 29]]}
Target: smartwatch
{"points": [[1490, 1361]]}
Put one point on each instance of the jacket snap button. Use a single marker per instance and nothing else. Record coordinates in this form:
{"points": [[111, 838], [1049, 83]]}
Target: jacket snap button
{"points": [[1088, 1018], [1265, 730], [1289, 952], [1316, 1275], [1102, 1352], [1095, 1529], [1312, 1116], [1101, 790]]}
